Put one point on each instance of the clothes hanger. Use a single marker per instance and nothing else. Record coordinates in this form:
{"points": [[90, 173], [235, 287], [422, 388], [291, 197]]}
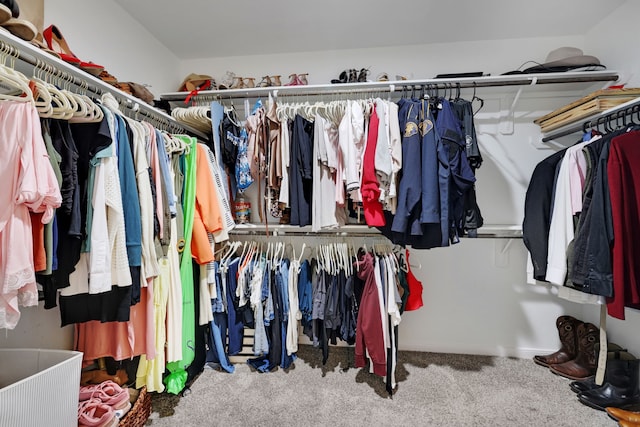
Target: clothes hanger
{"points": [[476, 98], [17, 81]]}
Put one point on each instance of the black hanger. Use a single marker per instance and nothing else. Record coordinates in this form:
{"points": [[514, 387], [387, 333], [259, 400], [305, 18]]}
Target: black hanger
{"points": [[586, 125], [476, 98], [635, 115], [621, 119], [457, 91]]}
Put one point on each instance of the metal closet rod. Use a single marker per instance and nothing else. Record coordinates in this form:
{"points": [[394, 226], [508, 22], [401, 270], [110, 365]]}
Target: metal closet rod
{"points": [[398, 85], [29, 54], [629, 107]]}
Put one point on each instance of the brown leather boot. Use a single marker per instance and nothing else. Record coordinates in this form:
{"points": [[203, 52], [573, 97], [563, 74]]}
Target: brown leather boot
{"points": [[567, 326], [586, 361], [623, 415]]}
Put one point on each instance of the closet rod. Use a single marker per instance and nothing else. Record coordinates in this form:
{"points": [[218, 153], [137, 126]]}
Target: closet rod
{"points": [[35, 57], [276, 230], [398, 85], [591, 121]]}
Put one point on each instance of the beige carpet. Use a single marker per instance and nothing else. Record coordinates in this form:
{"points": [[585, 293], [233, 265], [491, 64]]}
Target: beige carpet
{"points": [[433, 390]]}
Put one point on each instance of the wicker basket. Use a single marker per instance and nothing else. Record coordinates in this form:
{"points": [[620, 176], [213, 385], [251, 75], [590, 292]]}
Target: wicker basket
{"points": [[139, 412]]}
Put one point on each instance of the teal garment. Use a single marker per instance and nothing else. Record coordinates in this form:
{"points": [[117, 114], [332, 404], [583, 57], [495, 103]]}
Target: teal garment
{"points": [[129, 191], [93, 164], [177, 377]]}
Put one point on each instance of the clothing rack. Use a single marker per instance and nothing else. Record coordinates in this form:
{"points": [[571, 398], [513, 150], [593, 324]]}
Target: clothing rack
{"points": [[275, 230], [16, 48], [615, 113], [398, 86]]}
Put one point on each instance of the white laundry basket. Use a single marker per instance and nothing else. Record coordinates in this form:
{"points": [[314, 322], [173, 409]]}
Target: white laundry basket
{"points": [[39, 387]]}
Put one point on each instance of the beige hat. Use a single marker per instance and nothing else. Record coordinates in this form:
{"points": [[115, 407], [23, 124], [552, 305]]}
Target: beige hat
{"points": [[564, 59], [193, 81]]}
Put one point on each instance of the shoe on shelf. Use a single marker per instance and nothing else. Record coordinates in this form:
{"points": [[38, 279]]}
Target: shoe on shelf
{"points": [[5, 13], [37, 42], [21, 28], [107, 78], [238, 83], [363, 74], [265, 82], [12, 6], [342, 78], [57, 43], [275, 80], [383, 77], [297, 79], [353, 75], [249, 82]]}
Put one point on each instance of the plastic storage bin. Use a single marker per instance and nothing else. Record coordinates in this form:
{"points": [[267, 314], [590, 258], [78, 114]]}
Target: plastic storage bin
{"points": [[39, 387]]}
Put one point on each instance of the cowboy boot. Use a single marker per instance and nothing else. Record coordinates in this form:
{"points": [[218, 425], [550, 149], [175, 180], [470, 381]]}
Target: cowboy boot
{"points": [[569, 343], [621, 388], [586, 361]]}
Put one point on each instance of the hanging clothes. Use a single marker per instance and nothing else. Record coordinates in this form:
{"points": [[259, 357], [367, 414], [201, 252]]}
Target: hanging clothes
{"points": [[32, 185], [301, 171]]}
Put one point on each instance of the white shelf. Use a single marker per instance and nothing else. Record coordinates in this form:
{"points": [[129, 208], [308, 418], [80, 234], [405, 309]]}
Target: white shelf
{"points": [[579, 81], [591, 120], [38, 59]]}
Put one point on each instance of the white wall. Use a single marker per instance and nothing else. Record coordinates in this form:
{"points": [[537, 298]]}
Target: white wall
{"points": [[102, 32]]}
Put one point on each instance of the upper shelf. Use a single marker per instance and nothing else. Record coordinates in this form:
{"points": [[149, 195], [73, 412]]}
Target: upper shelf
{"points": [[38, 59], [569, 129], [520, 80]]}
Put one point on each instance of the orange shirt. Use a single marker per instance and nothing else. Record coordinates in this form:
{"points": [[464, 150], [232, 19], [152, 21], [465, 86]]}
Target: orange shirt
{"points": [[208, 216]]}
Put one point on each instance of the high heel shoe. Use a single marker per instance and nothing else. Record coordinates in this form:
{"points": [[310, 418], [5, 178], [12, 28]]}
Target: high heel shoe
{"points": [[353, 75], [302, 78], [57, 43], [238, 83], [293, 80], [362, 76], [251, 83], [265, 82], [275, 80]]}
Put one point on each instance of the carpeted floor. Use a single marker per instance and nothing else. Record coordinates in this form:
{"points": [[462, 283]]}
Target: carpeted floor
{"points": [[433, 390]]}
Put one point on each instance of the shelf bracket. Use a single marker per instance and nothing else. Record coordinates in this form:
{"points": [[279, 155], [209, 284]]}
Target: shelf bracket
{"points": [[507, 116]]}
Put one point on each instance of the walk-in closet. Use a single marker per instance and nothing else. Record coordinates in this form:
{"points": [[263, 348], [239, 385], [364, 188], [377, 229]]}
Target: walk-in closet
{"points": [[329, 213]]}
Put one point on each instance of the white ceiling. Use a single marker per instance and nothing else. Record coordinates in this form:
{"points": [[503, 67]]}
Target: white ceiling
{"points": [[206, 28]]}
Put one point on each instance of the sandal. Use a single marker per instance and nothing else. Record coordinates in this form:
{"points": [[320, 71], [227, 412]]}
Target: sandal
{"points": [[275, 80], [353, 75], [302, 79], [265, 82], [362, 76], [58, 44]]}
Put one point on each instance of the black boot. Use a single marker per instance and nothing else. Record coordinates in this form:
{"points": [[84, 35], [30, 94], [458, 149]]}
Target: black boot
{"points": [[620, 389], [614, 351], [567, 327]]}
